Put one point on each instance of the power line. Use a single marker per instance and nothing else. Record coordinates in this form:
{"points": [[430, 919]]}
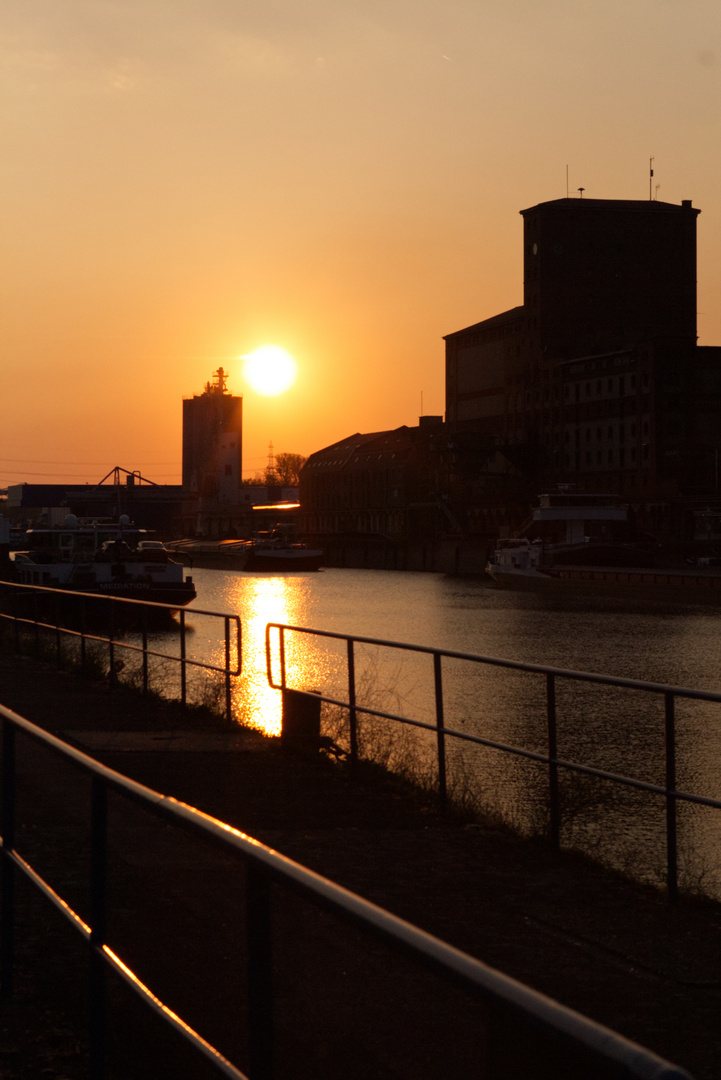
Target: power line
{"points": [[93, 464], [70, 476]]}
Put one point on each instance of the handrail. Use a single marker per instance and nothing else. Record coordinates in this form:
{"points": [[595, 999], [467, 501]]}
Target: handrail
{"points": [[615, 1055], [143, 607], [668, 790]]}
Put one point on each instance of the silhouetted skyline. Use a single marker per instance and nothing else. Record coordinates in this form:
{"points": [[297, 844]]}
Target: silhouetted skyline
{"points": [[187, 182]]}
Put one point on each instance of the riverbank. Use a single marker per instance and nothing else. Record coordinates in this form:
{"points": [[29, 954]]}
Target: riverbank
{"points": [[616, 952]]}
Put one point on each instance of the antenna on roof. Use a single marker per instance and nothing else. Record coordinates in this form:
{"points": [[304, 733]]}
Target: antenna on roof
{"points": [[581, 191], [650, 179], [567, 181]]}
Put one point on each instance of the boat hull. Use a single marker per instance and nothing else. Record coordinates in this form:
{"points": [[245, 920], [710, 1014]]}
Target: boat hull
{"points": [[282, 561], [518, 579]]}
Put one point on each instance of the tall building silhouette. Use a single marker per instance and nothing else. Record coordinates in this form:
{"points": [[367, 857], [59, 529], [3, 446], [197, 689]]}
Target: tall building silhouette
{"points": [[597, 378], [213, 442]]}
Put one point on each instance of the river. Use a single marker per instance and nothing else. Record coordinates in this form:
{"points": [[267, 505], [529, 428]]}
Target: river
{"points": [[644, 636]]}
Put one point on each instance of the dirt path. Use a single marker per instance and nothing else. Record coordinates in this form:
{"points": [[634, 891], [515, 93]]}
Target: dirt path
{"points": [[615, 952]]}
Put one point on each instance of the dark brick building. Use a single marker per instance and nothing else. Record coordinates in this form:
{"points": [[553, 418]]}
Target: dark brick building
{"points": [[412, 498], [598, 373]]}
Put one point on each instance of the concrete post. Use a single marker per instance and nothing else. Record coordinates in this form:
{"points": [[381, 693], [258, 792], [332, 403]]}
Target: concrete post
{"points": [[301, 721]]}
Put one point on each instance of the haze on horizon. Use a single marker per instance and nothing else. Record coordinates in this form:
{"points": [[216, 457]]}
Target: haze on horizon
{"points": [[186, 180]]}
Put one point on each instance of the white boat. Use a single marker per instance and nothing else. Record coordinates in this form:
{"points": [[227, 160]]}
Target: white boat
{"points": [[571, 530], [276, 555], [96, 556], [517, 561]]}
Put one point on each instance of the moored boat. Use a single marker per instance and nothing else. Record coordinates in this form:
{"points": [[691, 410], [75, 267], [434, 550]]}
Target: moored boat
{"points": [[211, 554], [282, 555], [111, 558], [517, 561], [568, 530], [277, 551]]}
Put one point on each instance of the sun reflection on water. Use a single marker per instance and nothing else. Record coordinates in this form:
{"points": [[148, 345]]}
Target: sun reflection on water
{"points": [[259, 601]]}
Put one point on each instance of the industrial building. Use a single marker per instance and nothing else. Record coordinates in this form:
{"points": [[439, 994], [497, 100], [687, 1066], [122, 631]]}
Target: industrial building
{"points": [[596, 382], [212, 501], [598, 375], [213, 443]]}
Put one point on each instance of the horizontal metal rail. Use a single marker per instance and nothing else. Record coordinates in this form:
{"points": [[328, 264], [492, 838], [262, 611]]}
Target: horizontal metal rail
{"points": [[554, 763], [532, 1012], [116, 606]]}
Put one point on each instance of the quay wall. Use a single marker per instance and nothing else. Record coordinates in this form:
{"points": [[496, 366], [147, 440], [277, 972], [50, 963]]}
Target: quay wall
{"points": [[449, 556]]}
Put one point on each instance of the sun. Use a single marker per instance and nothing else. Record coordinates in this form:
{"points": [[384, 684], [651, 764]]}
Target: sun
{"points": [[269, 369]]}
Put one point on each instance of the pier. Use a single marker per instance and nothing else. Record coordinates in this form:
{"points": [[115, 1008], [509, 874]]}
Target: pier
{"points": [[617, 953]]}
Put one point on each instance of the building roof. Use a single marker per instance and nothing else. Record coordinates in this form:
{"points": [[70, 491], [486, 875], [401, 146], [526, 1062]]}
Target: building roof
{"points": [[372, 448], [495, 320], [651, 206]]}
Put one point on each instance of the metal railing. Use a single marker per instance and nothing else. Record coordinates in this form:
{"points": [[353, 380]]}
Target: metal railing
{"points": [[668, 791], [114, 612], [592, 1049]]}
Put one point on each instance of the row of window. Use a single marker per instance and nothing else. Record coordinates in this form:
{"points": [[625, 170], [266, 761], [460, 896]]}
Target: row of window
{"points": [[620, 458], [614, 385], [621, 433]]}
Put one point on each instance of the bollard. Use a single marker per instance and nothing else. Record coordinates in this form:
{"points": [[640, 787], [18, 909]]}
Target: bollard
{"points": [[301, 721]]}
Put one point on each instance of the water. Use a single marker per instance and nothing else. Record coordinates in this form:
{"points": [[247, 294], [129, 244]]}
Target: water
{"points": [[642, 637]]}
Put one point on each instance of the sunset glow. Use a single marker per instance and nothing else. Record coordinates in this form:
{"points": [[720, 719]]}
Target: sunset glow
{"points": [[186, 181], [270, 370]]}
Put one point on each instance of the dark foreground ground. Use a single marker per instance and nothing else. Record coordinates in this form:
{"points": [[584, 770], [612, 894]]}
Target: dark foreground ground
{"points": [[616, 952]]}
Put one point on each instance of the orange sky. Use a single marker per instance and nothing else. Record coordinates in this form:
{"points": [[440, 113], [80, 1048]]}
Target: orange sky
{"points": [[185, 180]]}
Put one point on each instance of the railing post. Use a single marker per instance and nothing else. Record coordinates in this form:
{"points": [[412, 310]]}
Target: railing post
{"points": [[228, 713], [440, 734], [35, 618], [58, 651], [554, 800], [671, 835], [145, 649], [16, 593], [83, 643], [111, 641], [352, 715], [260, 973], [98, 916], [7, 872], [281, 653], [183, 671]]}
